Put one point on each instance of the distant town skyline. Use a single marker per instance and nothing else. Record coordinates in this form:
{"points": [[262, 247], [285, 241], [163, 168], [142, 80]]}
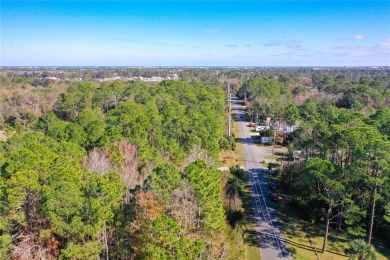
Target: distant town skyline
{"points": [[195, 33]]}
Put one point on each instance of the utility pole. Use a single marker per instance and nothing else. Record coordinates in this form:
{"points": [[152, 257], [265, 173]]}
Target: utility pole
{"points": [[230, 109]]}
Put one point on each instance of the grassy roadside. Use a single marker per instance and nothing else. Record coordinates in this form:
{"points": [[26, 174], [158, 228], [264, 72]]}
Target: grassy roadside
{"points": [[298, 232], [237, 157], [251, 242], [231, 158]]}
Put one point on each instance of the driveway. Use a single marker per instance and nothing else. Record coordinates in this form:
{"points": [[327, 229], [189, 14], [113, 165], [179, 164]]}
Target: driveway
{"points": [[268, 224]]}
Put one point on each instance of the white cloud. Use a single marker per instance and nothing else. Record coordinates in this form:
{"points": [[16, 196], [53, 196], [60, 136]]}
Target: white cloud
{"points": [[273, 43], [359, 37], [295, 45], [385, 43], [379, 50], [212, 31], [350, 48]]}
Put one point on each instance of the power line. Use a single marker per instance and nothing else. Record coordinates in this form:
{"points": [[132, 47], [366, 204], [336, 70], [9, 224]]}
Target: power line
{"points": [[230, 109]]}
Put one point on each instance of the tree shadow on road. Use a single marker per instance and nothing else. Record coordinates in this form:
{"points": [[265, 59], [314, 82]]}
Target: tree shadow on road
{"points": [[236, 116], [249, 221], [244, 140]]}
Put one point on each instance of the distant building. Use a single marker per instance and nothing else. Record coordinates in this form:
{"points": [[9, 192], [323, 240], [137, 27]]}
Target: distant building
{"points": [[155, 79], [281, 125], [111, 79]]}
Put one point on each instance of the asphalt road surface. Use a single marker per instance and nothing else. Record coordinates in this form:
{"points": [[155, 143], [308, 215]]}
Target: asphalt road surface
{"points": [[271, 241]]}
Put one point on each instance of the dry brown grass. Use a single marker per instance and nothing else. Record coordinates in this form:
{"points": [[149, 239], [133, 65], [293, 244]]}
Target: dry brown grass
{"points": [[236, 157], [3, 136]]}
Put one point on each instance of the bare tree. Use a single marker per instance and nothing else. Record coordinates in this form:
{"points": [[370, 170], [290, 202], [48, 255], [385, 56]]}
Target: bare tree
{"points": [[103, 239], [98, 161], [30, 247], [26, 248], [129, 172], [197, 153], [184, 208]]}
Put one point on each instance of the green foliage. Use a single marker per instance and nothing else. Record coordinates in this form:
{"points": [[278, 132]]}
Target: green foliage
{"points": [[75, 133], [381, 119], [164, 179], [170, 245], [5, 246], [89, 250], [308, 110], [70, 213], [77, 98], [291, 114], [361, 96], [321, 171], [157, 235], [207, 186], [273, 165], [236, 242], [227, 143], [238, 172], [94, 126], [131, 121], [355, 146], [43, 181], [47, 191], [266, 95], [360, 250], [57, 130], [353, 216], [22, 192]]}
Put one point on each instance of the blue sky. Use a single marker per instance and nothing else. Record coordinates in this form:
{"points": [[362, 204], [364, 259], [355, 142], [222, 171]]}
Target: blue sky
{"points": [[194, 33]]}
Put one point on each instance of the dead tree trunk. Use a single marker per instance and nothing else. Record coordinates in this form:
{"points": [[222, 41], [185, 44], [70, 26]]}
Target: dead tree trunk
{"points": [[327, 227], [372, 214]]}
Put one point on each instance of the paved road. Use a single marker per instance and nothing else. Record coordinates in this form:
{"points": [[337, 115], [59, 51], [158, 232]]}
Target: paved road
{"points": [[268, 224]]}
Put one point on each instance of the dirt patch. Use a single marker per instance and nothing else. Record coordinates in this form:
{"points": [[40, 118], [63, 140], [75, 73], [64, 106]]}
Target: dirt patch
{"points": [[3, 136]]}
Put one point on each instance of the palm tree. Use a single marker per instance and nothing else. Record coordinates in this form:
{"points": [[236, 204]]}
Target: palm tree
{"points": [[360, 250]]}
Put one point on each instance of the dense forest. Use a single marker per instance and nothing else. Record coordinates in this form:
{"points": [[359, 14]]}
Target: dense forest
{"points": [[127, 169], [339, 168], [114, 171]]}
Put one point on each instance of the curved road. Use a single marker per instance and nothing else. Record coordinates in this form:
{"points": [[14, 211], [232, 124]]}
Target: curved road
{"points": [[268, 224]]}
